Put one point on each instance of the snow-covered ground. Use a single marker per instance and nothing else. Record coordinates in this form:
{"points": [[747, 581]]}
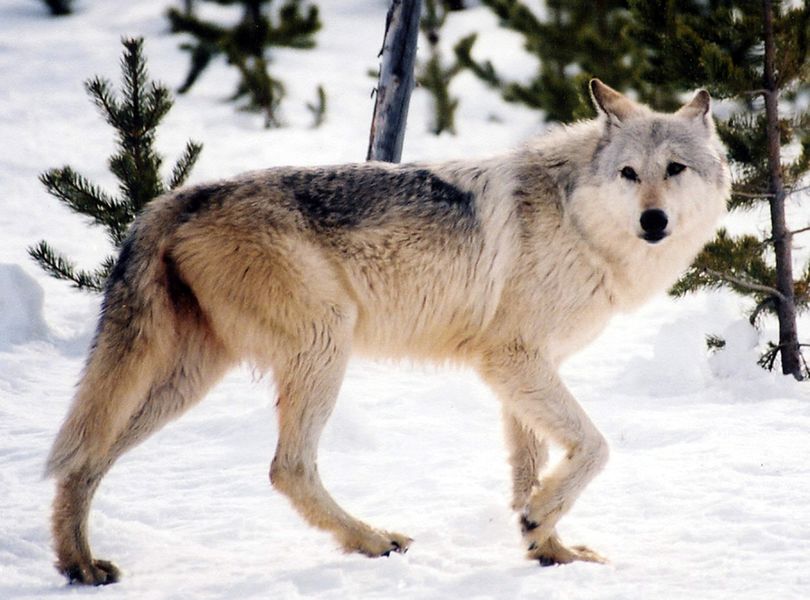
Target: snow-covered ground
{"points": [[706, 493]]}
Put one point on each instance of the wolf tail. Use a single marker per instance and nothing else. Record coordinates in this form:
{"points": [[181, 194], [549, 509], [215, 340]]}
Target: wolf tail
{"points": [[132, 345]]}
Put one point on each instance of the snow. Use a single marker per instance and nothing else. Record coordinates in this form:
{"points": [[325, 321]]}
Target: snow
{"points": [[705, 495], [21, 318]]}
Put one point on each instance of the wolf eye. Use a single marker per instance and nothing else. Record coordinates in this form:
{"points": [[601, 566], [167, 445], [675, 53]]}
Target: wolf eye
{"points": [[674, 168], [629, 173]]}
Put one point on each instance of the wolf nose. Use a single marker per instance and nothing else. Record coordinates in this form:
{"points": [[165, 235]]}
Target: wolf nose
{"points": [[654, 221]]}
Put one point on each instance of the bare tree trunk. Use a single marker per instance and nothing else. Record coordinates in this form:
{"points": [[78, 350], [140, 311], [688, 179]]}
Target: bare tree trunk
{"points": [[396, 81], [782, 238]]}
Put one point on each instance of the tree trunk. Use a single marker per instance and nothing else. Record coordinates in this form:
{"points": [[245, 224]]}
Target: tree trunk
{"points": [[786, 306], [396, 81]]}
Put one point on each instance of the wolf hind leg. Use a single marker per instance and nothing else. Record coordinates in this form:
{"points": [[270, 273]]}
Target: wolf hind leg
{"points": [[71, 506], [199, 364], [308, 384]]}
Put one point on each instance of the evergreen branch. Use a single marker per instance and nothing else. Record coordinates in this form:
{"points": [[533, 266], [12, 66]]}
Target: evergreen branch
{"points": [[768, 303], [768, 359], [61, 268], [80, 195], [484, 71], [753, 194], [134, 74], [263, 91], [183, 167], [751, 285], [135, 142], [772, 239], [515, 15], [202, 30], [104, 99], [55, 264], [201, 55], [294, 30], [139, 177], [790, 191], [158, 103], [102, 273]]}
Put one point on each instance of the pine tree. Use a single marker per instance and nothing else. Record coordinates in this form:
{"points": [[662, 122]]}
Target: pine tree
{"points": [[135, 117], [245, 47], [755, 52], [434, 76], [577, 41]]}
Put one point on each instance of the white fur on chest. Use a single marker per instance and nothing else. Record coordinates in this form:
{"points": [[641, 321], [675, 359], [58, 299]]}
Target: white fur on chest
{"points": [[580, 289]]}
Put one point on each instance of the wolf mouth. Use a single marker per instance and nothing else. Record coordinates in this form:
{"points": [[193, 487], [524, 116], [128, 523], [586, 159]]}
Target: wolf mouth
{"points": [[654, 237]]}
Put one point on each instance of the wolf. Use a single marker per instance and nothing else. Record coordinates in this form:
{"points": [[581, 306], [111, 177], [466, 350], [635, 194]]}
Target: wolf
{"points": [[507, 265]]}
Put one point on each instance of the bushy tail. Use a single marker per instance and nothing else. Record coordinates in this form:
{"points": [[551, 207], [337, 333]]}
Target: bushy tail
{"points": [[131, 350]]}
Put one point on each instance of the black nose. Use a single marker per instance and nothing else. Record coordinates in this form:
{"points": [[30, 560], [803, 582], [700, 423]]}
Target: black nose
{"points": [[653, 221]]}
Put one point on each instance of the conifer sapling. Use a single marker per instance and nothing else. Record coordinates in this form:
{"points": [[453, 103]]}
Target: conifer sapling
{"points": [[135, 117]]}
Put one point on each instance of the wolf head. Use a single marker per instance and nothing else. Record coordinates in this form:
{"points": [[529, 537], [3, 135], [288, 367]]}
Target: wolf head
{"points": [[655, 179]]}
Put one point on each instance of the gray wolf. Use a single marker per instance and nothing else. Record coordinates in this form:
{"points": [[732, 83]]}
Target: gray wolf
{"points": [[507, 265]]}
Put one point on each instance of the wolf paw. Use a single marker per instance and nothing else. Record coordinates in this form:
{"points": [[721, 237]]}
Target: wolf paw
{"points": [[554, 552], [376, 543], [97, 572]]}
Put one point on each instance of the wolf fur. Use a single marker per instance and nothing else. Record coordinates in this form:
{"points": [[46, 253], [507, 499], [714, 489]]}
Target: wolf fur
{"points": [[507, 265]]}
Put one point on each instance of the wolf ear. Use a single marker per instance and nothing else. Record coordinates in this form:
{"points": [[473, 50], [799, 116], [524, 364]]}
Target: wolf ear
{"points": [[697, 108], [615, 105]]}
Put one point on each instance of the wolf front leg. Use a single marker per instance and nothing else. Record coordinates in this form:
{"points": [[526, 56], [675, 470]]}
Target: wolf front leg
{"points": [[538, 407]]}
